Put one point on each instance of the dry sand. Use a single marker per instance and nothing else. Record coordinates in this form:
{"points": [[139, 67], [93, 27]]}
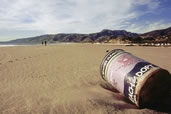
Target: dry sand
{"points": [[65, 78]]}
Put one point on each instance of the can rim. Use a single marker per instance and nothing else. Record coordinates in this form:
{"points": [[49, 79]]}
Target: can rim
{"points": [[103, 66]]}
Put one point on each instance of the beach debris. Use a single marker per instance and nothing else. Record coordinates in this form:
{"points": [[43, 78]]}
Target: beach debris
{"points": [[107, 50], [142, 82]]}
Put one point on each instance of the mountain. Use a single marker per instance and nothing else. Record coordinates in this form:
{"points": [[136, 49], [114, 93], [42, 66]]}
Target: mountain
{"points": [[163, 35], [31, 40], [104, 36]]}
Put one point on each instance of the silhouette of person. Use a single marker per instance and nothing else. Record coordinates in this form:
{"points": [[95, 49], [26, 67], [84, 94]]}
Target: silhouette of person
{"points": [[45, 43], [42, 42]]}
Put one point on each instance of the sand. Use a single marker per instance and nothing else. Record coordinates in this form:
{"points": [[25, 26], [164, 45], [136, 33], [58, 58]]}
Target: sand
{"points": [[65, 79]]}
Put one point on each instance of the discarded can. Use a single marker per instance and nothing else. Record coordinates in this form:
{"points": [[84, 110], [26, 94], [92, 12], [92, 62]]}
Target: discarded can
{"points": [[143, 83]]}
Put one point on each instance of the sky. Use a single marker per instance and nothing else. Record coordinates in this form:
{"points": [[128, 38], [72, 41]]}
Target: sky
{"points": [[27, 18]]}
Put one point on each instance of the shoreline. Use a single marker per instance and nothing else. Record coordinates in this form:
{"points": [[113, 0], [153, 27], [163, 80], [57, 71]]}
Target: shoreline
{"points": [[102, 44]]}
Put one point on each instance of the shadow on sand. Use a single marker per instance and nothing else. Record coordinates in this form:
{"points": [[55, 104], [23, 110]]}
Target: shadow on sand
{"points": [[163, 106]]}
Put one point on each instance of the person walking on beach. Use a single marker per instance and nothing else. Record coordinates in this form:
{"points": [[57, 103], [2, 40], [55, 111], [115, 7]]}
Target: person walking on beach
{"points": [[45, 43], [42, 43]]}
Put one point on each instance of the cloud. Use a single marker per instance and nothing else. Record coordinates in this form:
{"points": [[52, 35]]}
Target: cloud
{"points": [[83, 16], [151, 4], [148, 26]]}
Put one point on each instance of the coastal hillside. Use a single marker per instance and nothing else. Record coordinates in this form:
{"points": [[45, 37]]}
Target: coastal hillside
{"points": [[163, 35], [104, 36]]}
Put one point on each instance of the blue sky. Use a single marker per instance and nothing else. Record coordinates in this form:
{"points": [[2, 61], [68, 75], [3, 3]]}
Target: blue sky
{"points": [[26, 18]]}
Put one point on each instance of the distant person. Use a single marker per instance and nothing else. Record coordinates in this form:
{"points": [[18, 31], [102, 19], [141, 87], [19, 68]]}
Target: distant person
{"points": [[45, 43], [42, 42]]}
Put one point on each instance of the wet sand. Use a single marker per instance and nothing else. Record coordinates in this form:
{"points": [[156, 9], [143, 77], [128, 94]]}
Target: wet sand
{"points": [[65, 78]]}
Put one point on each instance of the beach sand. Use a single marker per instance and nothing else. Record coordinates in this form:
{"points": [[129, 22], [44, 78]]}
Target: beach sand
{"points": [[65, 79]]}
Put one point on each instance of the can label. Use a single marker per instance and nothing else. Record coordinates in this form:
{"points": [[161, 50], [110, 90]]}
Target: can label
{"points": [[132, 77], [118, 67], [123, 72]]}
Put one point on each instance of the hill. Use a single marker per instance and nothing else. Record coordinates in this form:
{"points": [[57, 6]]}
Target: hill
{"points": [[104, 36], [163, 35]]}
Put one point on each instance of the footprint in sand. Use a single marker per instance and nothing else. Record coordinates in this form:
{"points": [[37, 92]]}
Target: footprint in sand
{"points": [[0, 63], [10, 61], [16, 59]]}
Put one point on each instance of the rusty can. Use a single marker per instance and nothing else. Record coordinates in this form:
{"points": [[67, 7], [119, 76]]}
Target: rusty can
{"points": [[142, 82]]}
